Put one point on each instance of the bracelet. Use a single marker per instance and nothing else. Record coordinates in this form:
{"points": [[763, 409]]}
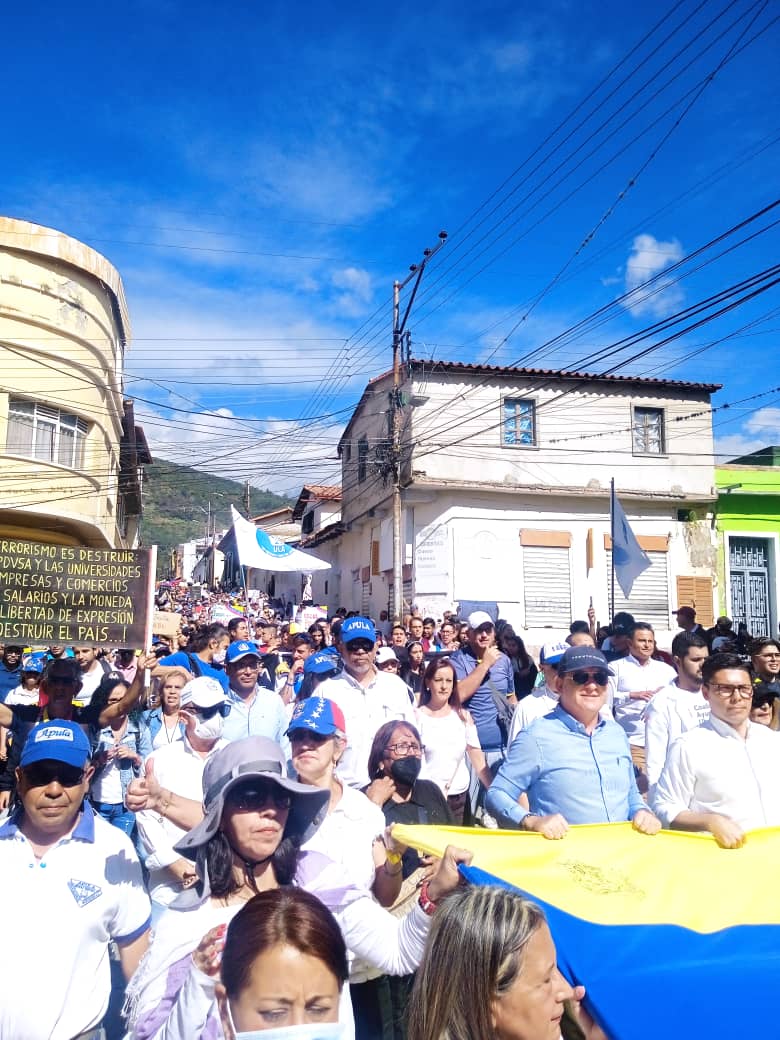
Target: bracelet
{"points": [[522, 822], [393, 857], [393, 873], [426, 903], [164, 807]]}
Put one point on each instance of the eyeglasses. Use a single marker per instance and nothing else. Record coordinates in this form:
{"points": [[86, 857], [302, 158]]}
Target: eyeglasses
{"points": [[406, 747], [600, 677], [41, 774], [389, 664], [255, 796], [354, 646], [726, 690], [61, 680]]}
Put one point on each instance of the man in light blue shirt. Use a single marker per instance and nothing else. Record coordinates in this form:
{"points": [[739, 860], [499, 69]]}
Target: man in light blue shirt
{"points": [[574, 765], [254, 710]]}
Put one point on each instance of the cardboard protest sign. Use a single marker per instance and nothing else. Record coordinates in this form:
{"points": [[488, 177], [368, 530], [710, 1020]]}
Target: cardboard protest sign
{"points": [[63, 595], [166, 623]]}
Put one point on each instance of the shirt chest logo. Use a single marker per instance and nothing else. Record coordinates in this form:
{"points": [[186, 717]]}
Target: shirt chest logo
{"points": [[84, 892]]}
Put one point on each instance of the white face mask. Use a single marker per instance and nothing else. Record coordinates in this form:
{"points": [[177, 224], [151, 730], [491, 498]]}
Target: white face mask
{"points": [[218, 657], [312, 1031], [209, 729]]}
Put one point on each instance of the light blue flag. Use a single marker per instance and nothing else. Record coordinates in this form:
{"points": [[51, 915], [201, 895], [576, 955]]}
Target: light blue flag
{"points": [[628, 558]]}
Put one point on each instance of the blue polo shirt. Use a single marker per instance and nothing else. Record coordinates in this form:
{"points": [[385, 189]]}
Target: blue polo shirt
{"points": [[588, 778], [9, 679], [481, 703]]}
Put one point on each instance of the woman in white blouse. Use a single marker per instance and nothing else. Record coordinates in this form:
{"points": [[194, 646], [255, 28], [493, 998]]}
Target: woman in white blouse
{"points": [[449, 735]]}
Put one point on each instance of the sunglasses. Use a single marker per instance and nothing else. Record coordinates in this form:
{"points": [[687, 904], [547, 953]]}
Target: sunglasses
{"points": [[209, 713], [600, 677], [61, 680], [255, 796], [354, 645], [41, 774]]}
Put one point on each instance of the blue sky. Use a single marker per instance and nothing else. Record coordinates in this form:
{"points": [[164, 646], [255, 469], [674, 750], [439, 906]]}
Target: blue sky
{"points": [[259, 174]]}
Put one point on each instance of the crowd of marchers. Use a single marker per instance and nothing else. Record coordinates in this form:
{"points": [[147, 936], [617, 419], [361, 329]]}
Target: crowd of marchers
{"points": [[214, 815]]}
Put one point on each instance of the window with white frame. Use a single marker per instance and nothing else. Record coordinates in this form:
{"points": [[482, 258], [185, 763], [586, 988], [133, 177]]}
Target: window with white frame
{"points": [[519, 422], [649, 433], [40, 432]]}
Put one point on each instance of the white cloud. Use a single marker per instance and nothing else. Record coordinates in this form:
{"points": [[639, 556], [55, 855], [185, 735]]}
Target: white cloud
{"points": [[357, 286], [766, 421], [648, 257], [278, 455], [760, 430]]}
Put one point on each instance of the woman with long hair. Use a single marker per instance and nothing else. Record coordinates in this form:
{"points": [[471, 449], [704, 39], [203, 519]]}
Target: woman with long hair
{"points": [[489, 973], [523, 665], [412, 672], [165, 726], [449, 736], [249, 840]]}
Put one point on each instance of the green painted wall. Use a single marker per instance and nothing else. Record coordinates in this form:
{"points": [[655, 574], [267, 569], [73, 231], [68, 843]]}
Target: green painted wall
{"points": [[754, 507]]}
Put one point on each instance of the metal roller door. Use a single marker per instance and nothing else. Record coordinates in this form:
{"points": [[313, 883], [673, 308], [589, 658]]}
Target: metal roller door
{"points": [[649, 594], [546, 586]]}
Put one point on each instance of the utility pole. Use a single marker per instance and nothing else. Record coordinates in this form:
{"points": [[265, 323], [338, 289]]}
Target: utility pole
{"points": [[247, 502], [399, 326]]}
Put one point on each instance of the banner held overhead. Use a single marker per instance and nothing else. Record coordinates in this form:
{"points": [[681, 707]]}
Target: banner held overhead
{"points": [[68, 595]]}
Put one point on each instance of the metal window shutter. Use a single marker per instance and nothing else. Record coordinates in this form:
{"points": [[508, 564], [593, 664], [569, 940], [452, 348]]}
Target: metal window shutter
{"points": [[649, 594], [546, 586]]}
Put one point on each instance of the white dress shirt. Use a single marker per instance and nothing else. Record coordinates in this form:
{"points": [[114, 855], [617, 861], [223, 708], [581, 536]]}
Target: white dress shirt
{"points": [[668, 715], [712, 769], [365, 709], [631, 676]]}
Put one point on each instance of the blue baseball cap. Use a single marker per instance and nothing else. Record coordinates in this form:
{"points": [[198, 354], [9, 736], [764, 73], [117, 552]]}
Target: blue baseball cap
{"points": [[357, 628], [33, 663], [577, 657], [319, 663], [56, 741], [240, 649], [318, 715]]}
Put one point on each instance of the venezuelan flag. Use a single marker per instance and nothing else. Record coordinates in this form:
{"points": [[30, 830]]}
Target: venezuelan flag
{"points": [[671, 935]]}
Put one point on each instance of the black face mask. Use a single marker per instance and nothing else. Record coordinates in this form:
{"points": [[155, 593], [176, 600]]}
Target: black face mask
{"points": [[406, 770]]}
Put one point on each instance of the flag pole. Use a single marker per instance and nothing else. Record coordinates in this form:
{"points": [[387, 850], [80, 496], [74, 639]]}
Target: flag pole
{"points": [[612, 535]]}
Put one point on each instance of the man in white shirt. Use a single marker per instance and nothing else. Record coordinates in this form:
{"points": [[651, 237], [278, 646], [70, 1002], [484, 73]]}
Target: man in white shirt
{"points": [[73, 885], [93, 670], [679, 707], [723, 776], [637, 678], [179, 768], [367, 697], [542, 699]]}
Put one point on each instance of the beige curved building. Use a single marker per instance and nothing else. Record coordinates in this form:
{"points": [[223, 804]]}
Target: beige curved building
{"points": [[70, 453]]}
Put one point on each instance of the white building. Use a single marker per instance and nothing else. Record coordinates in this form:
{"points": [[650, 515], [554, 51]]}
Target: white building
{"points": [[506, 475]]}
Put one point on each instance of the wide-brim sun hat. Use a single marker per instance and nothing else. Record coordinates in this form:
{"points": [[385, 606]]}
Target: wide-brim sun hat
{"points": [[249, 759]]}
